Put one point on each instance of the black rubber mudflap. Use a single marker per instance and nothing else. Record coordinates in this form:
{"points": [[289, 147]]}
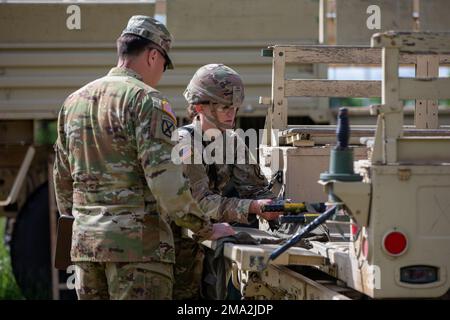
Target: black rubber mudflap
{"points": [[30, 246]]}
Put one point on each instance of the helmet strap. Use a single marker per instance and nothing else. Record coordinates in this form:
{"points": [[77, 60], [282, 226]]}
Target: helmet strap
{"points": [[215, 121]]}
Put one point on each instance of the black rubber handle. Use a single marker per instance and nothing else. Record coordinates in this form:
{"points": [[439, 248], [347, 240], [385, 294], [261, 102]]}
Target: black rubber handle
{"points": [[343, 129]]}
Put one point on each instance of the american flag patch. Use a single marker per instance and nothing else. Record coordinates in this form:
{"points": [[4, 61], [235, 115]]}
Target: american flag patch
{"points": [[168, 109]]}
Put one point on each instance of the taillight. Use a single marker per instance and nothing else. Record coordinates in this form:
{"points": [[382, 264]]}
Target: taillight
{"points": [[395, 243], [354, 230], [419, 274]]}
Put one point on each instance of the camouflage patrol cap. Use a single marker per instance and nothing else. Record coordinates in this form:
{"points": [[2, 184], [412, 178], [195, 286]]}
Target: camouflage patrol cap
{"points": [[153, 30], [215, 83]]}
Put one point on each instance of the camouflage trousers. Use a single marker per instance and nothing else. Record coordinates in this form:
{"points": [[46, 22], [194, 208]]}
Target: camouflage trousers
{"points": [[123, 280], [188, 269]]}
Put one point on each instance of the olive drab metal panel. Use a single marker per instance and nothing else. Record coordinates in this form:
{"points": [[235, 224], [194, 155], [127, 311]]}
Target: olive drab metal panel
{"points": [[42, 67], [235, 20], [42, 61], [434, 15], [351, 19], [49, 23], [234, 32]]}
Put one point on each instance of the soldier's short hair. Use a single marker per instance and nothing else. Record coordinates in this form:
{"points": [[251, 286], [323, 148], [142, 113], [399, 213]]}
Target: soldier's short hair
{"points": [[130, 45]]}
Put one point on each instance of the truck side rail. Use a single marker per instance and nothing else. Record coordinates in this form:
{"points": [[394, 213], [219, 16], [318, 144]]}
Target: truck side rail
{"points": [[410, 88]]}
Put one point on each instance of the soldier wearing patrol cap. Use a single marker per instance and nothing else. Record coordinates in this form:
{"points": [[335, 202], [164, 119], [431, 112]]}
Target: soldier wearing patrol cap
{"points": [[114, 174], [214, 95]]}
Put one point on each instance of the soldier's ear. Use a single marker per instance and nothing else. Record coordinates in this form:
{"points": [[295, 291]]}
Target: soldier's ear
{"points": [[151, 56]]}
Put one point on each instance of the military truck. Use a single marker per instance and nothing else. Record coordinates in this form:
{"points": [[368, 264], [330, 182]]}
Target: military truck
{"points": [[395, 240]]}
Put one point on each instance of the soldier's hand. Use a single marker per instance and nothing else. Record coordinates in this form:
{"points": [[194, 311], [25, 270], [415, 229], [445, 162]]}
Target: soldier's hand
{"points": [[256, 208], [221, 230]]}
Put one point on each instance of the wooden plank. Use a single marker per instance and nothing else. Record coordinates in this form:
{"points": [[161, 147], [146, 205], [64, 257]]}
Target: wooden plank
{"points": [[429, 89], [391, 125], [332, 88], [278, 115], [334, 54], [345, 55], [426, 112], [416, 42], [351, 19]]}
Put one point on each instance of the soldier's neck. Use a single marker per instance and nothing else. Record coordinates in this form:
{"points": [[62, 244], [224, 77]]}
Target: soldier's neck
{"points": [[135, 66]]}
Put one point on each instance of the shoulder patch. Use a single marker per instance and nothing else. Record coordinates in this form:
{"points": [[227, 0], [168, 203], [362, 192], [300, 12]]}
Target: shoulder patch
{"points": [[163, 127], [167, 126], [161, 103]]}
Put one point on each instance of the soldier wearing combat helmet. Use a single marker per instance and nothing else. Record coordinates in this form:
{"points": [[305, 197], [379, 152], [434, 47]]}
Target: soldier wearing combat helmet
{"points": [[114, 174], [214, 95]]}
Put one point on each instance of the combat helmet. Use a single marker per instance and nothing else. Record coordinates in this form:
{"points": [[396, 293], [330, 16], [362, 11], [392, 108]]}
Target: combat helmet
{"points": [[215, 84]]}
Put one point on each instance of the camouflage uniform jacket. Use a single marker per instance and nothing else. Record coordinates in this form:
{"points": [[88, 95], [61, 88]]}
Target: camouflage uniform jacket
{"points": [[208, 183], [114, 174]]}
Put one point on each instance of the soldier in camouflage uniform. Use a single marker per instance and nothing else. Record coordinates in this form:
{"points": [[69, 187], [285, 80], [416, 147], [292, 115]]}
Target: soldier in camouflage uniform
{"points": [[114, 174], [214, 95]]}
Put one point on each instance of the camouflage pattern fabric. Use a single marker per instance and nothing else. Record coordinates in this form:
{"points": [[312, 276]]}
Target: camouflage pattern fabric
{"points": [[123, 281], [188, 267], [207, 184], [153, 30], [114, 174], [215, 83]]}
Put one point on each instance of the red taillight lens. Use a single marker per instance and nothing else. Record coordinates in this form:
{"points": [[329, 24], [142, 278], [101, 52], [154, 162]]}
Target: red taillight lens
{"points": [[365, 247], [395, 243], [354, 229]]}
